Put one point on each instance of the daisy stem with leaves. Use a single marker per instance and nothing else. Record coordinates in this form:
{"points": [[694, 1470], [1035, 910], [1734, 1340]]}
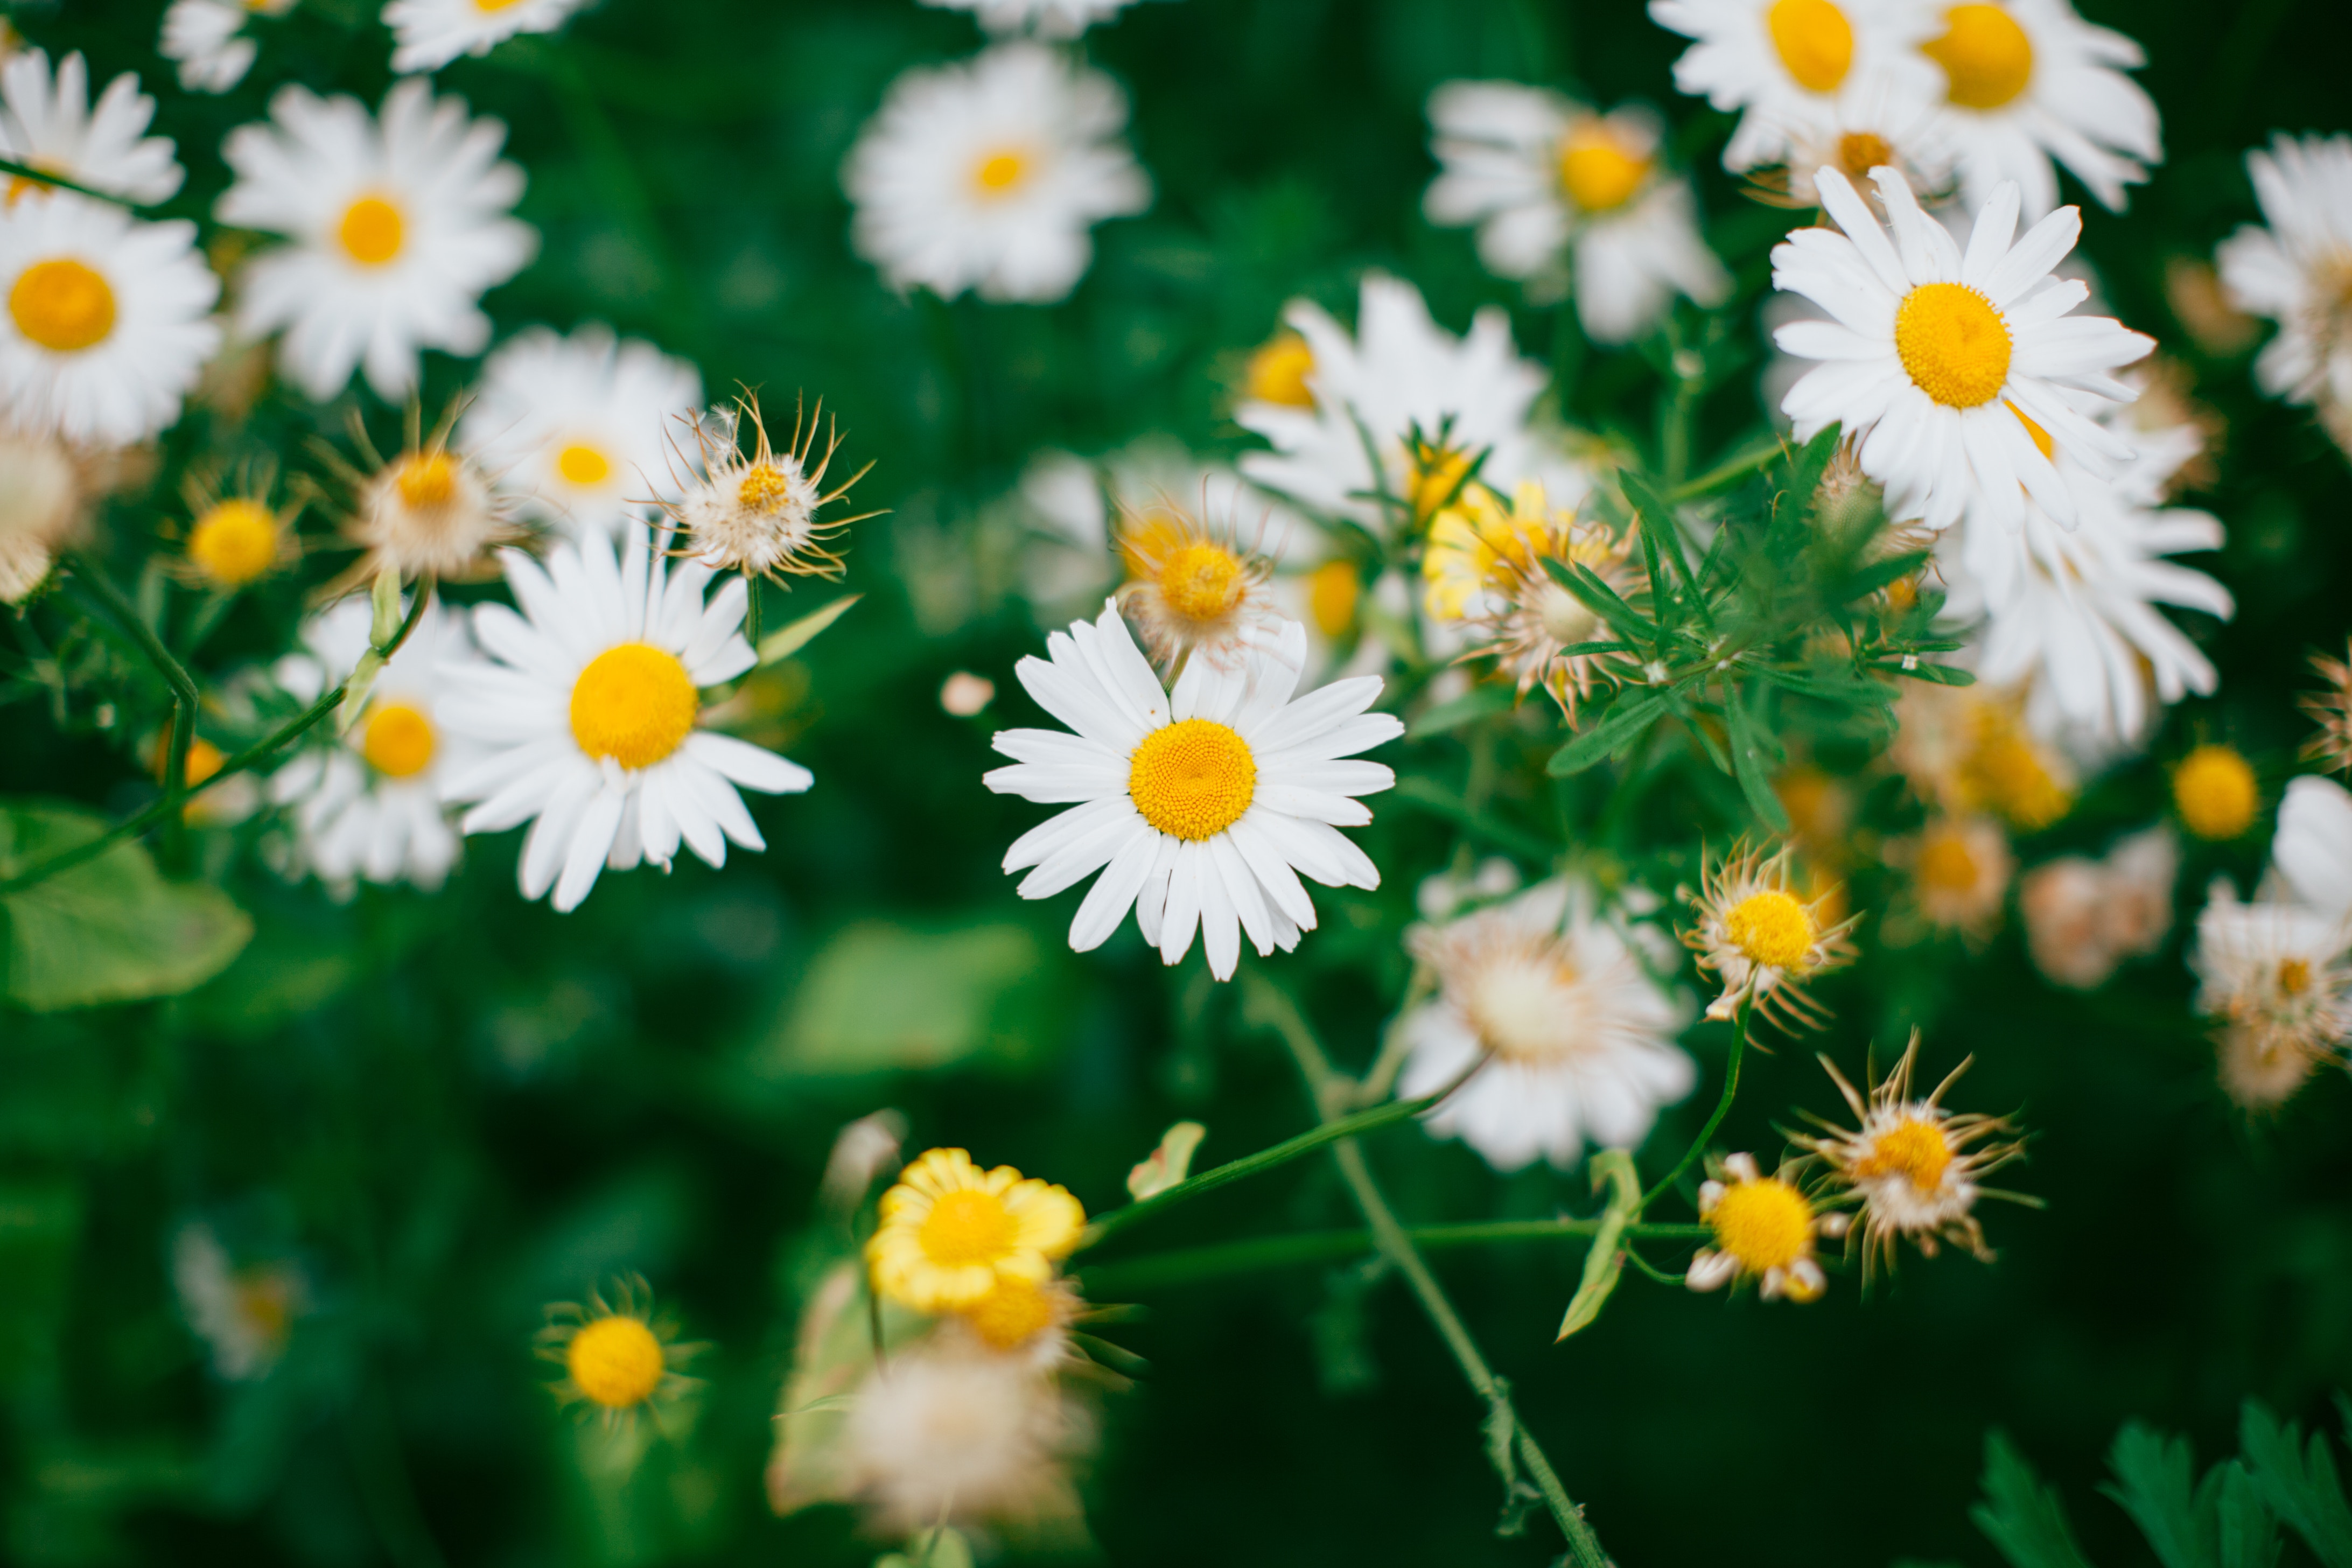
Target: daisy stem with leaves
{"points": [[1722, 1108]]}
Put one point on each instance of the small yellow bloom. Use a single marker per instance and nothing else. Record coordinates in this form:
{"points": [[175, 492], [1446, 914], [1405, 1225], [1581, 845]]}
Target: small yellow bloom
{"points": [[617, 1358], [236, 540], [1278, 369], [2216, 793], [951, 1232], [1761, 939], [1764, 1230]]}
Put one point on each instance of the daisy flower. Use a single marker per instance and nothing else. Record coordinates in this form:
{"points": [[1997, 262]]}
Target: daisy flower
{"points": [[369, 803], [1046, 18], [429, 34], [44, 497], [1027, 1321], [2312, 848], [2216, 793], [575, 425], [397, 226], [1581, 1040], [109, 320], [1934, 354], [1970, 748], [428, 512], [756, 513], [245, 1315], [47, 122], [618, 1358], [987, 175], [1761, 941], [1192, 587], [208, 39], [2029, 80], [1559, 192], [588, 717], [2298, 271], [2274, 974], [1960, 869], [1198, 807], [945, 1434], [1764, 1229], [949, 1233], [1856, 132], [238, 537]]}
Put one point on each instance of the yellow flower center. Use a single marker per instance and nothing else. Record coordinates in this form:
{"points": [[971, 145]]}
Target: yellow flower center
{"points": [[62, 305], [1772, 927], [372, 231], [616, 1362], [965, 1227], [1278, 369], [2294, 976], [1192, 780], [1815, 42], [235, 541], [1986, 56], [2004, 772], [2042, 440], [1944, 863], [399, 740], [1201, 581], [633, 703], [1000, 172], [1011, 1315], [2216, 792], [1597, 174], [584, 465], [1914, 1147], [492, 6], [1333, 591], [1763, 1223], [426, 480], [763, 488], [1953, 343], [1860, 151]]}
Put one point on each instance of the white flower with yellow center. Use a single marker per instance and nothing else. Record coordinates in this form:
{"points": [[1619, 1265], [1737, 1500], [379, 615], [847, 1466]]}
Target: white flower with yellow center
{"points": [[756, 511], [2084, 917], [1763, 941], [1046, 18], [1567, 199], [1960, 869], [1192, 587], [1764, 1229], [47, 122], [397, 226], [1933, 353], [108, 319], [1580, 1037], [370, 804], [987, 175], [428, 512], [575, 426], [44, 495], [1200, 807], [2275, 972], [2298, 271], [589, 719], [429, 34], [209, 41]]}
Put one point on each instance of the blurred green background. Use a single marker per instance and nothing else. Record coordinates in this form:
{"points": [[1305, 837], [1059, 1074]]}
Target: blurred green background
{"points": [[452, 1110]]}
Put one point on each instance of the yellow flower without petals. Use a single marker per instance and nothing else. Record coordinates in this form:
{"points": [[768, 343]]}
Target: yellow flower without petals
{"points": [[950, 1231]]}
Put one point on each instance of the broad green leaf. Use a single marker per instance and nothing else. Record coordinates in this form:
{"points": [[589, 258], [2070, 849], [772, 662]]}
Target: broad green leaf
{"points": [[1612, 1169], [2023, 1519], [2299, 1483], [2155, 1485], [2245, 1534], [1626, 718], [787, 640]]}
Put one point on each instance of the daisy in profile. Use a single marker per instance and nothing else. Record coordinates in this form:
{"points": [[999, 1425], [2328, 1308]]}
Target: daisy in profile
{"points": [[108, 319], [396, 227], [368, 803], [756, 511], [987, 175], [588, 720], [619, 1359], [1567, 199], [1765, 1229], [429, 512], [1193, 587], [429, 34], [1936, 359], [945, 1434], [2026, 81], [1200, 807], [2294, 271], [46, 121], [1581, 1038], [574, 425], [44, 495], [949, 1234], [1046, 18], [1761, 941], [208, 39]]}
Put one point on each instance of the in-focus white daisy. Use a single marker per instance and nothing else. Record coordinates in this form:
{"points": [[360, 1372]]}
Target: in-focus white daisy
{"points": [[429, 34], [1198, 807], [1582, 1038], [370, 804], [397, 225], [588, 720], [987, 175], [574, 425], [46, 121], [1567, 199], [1933, 353], [108, 319], [2029, 80], [1046, 18], [208, 40], [1397, 375], [2298, 272]]}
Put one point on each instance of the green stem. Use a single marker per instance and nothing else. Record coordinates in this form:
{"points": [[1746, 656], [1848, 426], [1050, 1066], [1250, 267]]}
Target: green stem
{"points": [[1739, 467], [1197, 1264], [91, 580], [14, 170], [1722, 1107]]}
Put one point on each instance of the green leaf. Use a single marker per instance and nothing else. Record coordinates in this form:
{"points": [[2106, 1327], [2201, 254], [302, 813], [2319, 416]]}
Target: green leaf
{"points": [[1748, 761], [788, 640], [1657, 518], [1621, 726], [2023, 1519], [2246, 1535], [110, 930], [1601, 600], [2298, 1483], [1612, 1169], [1809, 464], [2154, 1475], [1868, 580], [1933, 674], [1481, 701]]}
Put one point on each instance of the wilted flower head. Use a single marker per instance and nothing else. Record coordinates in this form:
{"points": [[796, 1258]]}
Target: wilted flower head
{"points": [[1761, 940], [756, 513], [44, 497], [948, 1433], [1959, 870], [1192, 587], [430, 511]]}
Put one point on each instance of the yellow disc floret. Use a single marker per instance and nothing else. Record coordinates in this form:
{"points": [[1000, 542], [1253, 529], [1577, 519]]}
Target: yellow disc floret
{"points": [[426, 480], [1944, 863], [2216, 793], [1598, 173], [633, 703], [63, 305], [763, 488], [1772, 927], [235, 541], [372, 232], [1953, 344], [1814, 41], [2294, 976], [1913, 1148], [1202, 580], [999, 173], [615, 1362], [398, 742], [1013, 1314], [1193, 779], [1763, 1223], [1987, 58], [1278, 369], [584, 465], [1860, 151]]}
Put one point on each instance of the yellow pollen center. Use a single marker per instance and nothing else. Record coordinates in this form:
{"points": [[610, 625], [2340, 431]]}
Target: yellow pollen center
{"points": [[584, 465], [2216, 792], [399, 740], [999, 173], [233, 541], [62, 305], [1278, 369], [372, 231], [633, 703], [1860, 151], [2042, 440], [1772, 929], [427, 480], [1599, 175], [763, 488], [1333, 591], [2294, 976], [1815, 42], [1193, 779], [1913, 1148], [1763, 1223], [1986, 56], [1203, 581], [616, 1362], [1011, 1315], [966, 1227], [493, 7], [1953, 343], [1946, 865]]}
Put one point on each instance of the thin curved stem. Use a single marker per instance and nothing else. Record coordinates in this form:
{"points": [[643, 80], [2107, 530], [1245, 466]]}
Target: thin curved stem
{"points": [[1196, 1265], [89, 578], [1722, 1107]]}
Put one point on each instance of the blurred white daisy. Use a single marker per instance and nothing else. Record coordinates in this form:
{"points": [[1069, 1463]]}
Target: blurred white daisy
{"points": [[429, 34], [244, 1315], [1858, 132], [945, 1433], [208, 40], [588, 717], [45, 492], [2084, 917], [2029, 80], [574, 425], [987, 175], [1934, 353], [1200, 808], [1046, 18], [1570, 200], [2276, 971], [46, 121], [2298, 272], [398, 225], [108, 319], [2312, 848], [370, 804], [1582, 1038]]}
